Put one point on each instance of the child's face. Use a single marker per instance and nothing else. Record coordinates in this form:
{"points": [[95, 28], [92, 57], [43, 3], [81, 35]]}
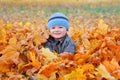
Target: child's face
{"points": [[58, 32]]}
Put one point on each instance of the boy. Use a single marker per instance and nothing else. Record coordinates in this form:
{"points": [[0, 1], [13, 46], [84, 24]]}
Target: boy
{"points": [[59, 41]]}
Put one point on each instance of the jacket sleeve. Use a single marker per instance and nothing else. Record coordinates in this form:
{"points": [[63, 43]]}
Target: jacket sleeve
{"points": [[70, 47]]}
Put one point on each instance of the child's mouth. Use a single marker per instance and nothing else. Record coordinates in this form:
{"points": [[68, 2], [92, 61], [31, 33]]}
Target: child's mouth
{"points": [[57, 33]]}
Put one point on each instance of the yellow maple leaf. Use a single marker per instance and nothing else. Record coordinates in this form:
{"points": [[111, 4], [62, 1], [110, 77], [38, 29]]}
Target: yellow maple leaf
{"points": [[48, 54], [8, 26], [42, 77], [102, 27], [77, 74], [103, 71], [86, 44], [90, 45], [28, 24], [94, 43], [39, 38], [20, 23], [12, 40]]}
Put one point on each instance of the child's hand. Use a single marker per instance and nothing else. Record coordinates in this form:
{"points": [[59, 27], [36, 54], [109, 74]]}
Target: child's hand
{"points": [[66, 55]]}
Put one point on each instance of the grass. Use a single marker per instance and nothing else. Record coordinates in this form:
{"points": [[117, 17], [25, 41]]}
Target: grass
{"points": [[85, 12]]}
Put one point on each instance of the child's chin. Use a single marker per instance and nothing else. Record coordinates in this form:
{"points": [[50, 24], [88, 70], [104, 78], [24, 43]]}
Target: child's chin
{"points": [[58, 37]]}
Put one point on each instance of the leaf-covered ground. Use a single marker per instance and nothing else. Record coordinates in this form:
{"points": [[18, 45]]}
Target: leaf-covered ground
{"points": [[23, 57]]}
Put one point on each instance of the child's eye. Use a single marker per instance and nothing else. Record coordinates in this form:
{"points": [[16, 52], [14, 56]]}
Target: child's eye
{"points": [[60, 27], [53, 27]]}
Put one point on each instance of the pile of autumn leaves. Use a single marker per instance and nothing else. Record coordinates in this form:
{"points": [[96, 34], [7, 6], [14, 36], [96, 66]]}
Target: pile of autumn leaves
{"points": [[23, 57]]}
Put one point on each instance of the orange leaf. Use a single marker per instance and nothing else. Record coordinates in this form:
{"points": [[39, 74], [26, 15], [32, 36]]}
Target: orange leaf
{"points": [[81, 58], [10, 56], [48, 69], [34, 61]]}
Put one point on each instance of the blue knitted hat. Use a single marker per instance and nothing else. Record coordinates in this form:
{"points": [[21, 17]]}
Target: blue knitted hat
{"points": [[58, 19]]}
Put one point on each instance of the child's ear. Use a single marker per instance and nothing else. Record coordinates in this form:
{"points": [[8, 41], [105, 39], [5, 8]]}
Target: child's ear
{"points": [[67, 29]]}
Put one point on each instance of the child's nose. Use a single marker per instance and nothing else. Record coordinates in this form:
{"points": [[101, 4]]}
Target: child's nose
{"points": [[57, 29]]}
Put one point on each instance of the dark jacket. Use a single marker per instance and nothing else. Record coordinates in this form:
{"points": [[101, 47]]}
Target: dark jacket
{"points": [[66, 44]]}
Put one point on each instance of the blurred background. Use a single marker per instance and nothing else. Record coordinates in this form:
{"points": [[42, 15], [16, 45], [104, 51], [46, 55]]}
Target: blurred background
{"points": [[79, 12]]}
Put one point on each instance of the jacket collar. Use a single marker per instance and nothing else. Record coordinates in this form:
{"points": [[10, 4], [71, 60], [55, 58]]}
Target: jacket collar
{"points": [[51, 39]]}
